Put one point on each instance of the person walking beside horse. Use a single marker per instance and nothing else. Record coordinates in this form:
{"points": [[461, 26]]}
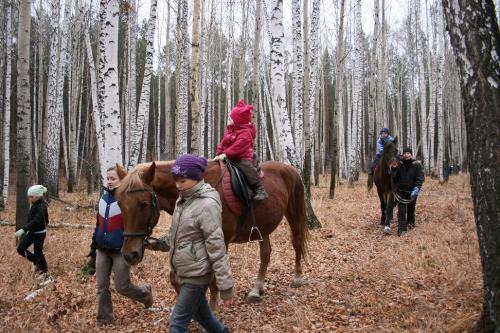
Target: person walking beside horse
{"points": [[197, 247], [108, 236], [408, 178]]}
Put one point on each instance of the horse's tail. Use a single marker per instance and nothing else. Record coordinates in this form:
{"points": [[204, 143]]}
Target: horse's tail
{"points": [[370, 181], [296, 216]]}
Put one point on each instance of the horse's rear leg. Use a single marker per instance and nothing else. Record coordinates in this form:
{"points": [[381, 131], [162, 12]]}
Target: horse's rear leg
{"points": [[255, 295], [383, 206]]}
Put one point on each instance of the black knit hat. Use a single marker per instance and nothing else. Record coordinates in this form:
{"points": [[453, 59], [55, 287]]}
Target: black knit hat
{"points": [[407, 150]]}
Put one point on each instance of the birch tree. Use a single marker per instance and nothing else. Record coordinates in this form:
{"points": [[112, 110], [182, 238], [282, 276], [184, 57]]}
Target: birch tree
{"points": [[23, 151], [139, 134], [298, 75], [7, 96], [108, 82], [339, 73], [50, 155], [475, 38], [193, 91], [287, 147], [183, 78], [355, 119]]}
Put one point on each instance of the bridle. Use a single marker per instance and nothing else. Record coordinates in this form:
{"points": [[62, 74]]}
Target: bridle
{"points": [[155, 209]]}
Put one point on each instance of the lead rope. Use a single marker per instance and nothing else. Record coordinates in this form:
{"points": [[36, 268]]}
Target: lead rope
{"points": [[401, 199]]}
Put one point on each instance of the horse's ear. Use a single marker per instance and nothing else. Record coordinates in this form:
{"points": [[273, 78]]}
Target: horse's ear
{"points": [[120, 171], [149, 174], [395, 139]]}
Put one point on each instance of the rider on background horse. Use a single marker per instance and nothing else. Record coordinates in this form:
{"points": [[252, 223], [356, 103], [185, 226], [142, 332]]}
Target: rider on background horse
{"points": [[408, 179], [237, 145], [385, 135]]}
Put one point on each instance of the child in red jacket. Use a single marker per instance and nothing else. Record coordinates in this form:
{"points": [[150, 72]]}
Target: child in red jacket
{"points": [[237, 145]]}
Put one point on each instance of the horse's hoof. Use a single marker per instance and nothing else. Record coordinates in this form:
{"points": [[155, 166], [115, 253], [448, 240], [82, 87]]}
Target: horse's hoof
{"points": [[297, 282], [253, 298], [387, 230]]}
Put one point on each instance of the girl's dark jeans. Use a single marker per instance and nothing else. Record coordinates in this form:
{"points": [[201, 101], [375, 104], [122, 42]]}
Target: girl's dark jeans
{"points": [[37, 258]]}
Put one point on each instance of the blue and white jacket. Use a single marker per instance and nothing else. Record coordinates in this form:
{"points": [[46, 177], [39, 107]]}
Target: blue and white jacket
{"points": [[380, 144], [109, 226]]}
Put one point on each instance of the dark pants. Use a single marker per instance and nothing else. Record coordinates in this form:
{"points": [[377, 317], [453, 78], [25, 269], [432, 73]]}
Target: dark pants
{"points": [[250, 172], [192, 304], [406, 215], [374, 163], [37, 258]]}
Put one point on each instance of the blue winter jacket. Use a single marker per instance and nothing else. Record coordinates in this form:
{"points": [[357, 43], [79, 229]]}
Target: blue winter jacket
{"points": [[380, 144]]}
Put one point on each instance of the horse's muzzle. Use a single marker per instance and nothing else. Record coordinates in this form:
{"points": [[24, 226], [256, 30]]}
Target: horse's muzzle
{"points": [[132, 258]]}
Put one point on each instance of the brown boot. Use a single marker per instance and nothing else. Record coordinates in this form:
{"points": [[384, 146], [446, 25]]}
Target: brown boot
{"points": [[259, 192]]}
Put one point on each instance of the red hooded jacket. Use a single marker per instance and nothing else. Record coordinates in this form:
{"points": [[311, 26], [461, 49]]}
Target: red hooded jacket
{"points": [[237, 142]]}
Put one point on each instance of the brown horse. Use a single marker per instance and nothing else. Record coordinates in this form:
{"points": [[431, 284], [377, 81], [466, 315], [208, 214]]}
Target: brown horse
{"points": [[383, 182], [150, 187]]}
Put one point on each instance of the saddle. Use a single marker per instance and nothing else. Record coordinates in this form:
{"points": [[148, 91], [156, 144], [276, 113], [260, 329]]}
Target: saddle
{"points": [[239, 195], [235, 188]]}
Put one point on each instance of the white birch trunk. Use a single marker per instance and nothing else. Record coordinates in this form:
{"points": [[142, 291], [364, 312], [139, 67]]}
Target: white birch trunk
{"points": [[108, 78], [195, 76], [7, 94], [139, 134], [278, 85], [298, 75], [182, 95], [96, 114], [50, 154], [131, 95], [354, 147]]}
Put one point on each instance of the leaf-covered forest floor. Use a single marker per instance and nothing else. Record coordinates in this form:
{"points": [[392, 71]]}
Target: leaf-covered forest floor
{"points": [[358, 280]]}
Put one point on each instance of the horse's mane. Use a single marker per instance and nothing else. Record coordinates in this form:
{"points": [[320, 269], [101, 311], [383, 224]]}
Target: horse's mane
{"points": [[133, 180]]}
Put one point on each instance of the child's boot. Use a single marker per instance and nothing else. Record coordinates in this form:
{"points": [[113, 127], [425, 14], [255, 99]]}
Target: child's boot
{"points": [[259, 192]]}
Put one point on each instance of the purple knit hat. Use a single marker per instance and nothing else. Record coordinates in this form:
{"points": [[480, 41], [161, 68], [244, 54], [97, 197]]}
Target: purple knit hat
{"points": [[189, 166]]}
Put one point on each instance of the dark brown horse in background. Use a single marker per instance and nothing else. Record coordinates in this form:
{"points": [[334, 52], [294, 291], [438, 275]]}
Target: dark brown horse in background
{"points": [[150, 188], [383, 182]]}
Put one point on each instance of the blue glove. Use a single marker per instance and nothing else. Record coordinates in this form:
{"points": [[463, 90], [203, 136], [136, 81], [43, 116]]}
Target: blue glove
{"points": [[19, 233], [414, 193]]}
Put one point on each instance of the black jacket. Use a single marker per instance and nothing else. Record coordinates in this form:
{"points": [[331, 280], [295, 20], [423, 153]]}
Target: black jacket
{"points": [[408, 175], [38, 217]]}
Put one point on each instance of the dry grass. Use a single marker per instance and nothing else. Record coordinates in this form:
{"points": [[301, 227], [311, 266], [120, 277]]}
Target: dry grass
{"points": [[358, 280]]}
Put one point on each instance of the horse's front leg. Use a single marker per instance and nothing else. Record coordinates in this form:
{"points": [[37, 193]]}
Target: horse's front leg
{"points": [[255, 294]]}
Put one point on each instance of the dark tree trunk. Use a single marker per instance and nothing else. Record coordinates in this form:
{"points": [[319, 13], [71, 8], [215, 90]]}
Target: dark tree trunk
{"points": [[23, 151], [475, 38]]}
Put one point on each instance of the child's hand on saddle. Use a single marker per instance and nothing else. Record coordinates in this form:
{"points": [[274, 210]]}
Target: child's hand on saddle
{"points": [[219, 157]]}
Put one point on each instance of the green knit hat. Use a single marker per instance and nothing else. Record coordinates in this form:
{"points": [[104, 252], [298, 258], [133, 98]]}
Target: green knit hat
{"points": [[37, 191]]}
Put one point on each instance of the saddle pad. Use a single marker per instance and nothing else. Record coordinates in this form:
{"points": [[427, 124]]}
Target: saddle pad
{"points": [[232, 201]]}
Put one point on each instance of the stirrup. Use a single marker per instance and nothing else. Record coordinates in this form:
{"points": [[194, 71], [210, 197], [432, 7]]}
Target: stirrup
{"points": [[258, 233]]}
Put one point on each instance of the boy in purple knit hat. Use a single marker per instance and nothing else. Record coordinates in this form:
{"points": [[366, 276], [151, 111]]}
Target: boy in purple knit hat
{"points": [[197, 248]]}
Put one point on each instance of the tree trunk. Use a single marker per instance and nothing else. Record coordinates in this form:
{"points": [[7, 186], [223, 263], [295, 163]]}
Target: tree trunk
{"points": [[108, 77], [7, 111], [23, 155], [298, 75], [279, 103], [475, 38], [183, 78], [49, 174], [339, 72], [193, 91]]}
